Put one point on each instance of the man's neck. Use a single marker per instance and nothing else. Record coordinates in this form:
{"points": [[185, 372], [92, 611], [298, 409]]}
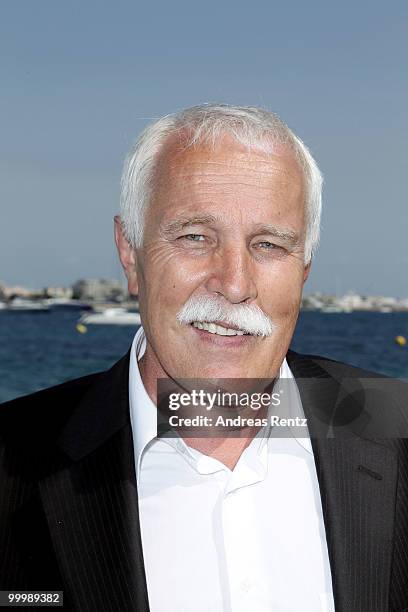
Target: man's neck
{"points": [[226, 449]]}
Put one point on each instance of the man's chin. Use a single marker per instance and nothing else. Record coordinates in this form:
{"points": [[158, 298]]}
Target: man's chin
{"points": [[225, 380], [222, 373]]}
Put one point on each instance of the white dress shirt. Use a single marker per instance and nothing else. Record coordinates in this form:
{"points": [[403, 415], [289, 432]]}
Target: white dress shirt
{"points": [[251, 539]]}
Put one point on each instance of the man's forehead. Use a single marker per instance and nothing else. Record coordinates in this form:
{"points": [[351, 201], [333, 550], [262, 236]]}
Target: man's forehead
{"points": [[177, 160]]}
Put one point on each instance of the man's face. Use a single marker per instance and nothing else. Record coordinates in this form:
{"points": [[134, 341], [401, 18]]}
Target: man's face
{"points": [[226, 223]]}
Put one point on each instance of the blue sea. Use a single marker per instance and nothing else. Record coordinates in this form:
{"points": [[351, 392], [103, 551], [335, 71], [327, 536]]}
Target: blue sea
{"points": [[40, 350]]}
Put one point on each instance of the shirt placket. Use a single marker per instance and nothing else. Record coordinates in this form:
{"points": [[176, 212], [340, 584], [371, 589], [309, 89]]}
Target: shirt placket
{"points": [[248, 586]]}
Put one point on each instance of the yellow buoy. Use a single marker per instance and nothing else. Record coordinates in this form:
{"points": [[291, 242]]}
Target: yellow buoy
{"points": [[400, 340], [81, 328]]}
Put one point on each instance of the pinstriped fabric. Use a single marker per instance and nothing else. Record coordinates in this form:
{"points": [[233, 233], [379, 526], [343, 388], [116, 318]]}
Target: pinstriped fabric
{"points": [[27, 560], [359, 516], [12, 492], [364, 490], [92, 513], [399, 580], [73, 515]]}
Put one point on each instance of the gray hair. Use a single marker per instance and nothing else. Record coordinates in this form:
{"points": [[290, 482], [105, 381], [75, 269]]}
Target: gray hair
{"points": [[252, 127]]}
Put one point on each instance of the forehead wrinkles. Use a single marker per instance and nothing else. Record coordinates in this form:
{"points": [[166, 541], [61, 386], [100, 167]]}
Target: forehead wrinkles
{"points": [[213, 174], [211, 170]]}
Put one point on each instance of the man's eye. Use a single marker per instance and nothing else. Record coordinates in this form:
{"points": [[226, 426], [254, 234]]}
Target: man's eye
{"points": [[194, 237], [270, 248], [267, 245]]}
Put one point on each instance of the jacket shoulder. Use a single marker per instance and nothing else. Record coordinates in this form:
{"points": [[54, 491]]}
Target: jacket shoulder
{"points": [[44, 411], [317, 363]]}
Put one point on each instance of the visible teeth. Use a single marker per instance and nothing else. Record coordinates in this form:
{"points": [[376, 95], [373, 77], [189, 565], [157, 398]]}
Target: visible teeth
{"points": [[213, 328]]}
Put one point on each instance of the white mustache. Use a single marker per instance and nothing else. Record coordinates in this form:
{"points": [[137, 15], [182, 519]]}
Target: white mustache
{"points": [[209, 309]]}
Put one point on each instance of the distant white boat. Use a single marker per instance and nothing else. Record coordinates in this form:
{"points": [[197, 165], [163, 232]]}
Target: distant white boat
{"points": [[67, 304], [334, 308], [23, 305], [111, 316]]}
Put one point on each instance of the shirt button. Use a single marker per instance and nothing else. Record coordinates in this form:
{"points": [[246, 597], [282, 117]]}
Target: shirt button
{"points": [[245, 585]]}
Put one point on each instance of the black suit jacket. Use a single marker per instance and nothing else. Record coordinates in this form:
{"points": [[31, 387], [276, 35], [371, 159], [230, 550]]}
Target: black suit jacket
{"points": [[69, 507]]}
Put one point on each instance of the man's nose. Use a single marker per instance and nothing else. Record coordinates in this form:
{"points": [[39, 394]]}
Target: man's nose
{"points": [[232, 275]]}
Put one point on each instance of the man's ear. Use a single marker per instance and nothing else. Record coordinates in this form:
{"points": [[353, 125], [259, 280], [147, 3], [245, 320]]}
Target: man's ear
{"points": [[307, 271], [127, 256]]}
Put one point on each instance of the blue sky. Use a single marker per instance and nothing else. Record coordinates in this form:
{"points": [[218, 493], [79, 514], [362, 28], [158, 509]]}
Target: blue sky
{"points": [[80, 79]]}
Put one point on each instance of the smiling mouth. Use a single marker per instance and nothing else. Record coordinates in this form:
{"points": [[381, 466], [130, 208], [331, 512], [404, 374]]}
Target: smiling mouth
{"points": [[220, 330]]}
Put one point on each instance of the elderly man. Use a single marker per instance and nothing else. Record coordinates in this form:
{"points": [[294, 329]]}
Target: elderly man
{"points": [[219, 221]]}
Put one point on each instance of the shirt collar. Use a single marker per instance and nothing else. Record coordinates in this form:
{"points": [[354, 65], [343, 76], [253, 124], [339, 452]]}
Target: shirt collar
{"points": [[143, 416], [293, 403]]}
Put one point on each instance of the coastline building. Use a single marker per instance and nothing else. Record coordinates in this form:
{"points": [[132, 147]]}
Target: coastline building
{"points": [[99, 290]]}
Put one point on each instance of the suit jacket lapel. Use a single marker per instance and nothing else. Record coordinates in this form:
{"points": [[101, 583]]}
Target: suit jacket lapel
{"points": [[358, 481], [91, 505]]}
